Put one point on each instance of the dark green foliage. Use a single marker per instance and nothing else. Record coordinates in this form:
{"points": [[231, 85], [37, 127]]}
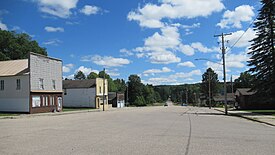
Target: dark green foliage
{"points": [[120, 85], [79, 76], [212, 77], [244, 81], [262, 61], [15, 46], [92, 75], [135, 88]]}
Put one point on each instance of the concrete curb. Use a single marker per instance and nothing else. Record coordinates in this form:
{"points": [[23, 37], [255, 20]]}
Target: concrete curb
{"points": [[48, 114], [248, 118]]}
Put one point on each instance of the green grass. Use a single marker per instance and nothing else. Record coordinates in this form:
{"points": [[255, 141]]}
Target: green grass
{"points": [[264, 112], [76, 109], [8, 114]]}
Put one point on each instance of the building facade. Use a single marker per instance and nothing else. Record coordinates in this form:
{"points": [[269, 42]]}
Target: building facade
{"points": [[85, 93], [31, 85]]}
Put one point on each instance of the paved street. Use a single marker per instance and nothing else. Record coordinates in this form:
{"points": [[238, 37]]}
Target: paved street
{"points": [[168, 130]]}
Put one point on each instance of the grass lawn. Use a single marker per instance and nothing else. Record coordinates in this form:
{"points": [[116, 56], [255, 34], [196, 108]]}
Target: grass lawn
{"points": [[264, 112], [8, 114], [76, 109]]}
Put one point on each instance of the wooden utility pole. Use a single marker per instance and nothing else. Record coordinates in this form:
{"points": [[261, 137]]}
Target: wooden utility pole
{"points": [[224, 74], [104, 89]]}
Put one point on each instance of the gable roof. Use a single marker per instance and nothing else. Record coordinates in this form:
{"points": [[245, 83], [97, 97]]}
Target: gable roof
{"points": [[67, 84], [245, 91], [219, 97], [13, 67]]}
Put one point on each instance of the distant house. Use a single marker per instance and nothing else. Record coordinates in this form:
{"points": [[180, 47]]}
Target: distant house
{"points": [[245, 98], [117, 99], [220, 98], [85, 93], [31, 85]]}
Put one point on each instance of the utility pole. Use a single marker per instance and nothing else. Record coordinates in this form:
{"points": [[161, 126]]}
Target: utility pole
{"points": [[224, 74], [186, 97], [232, 90], [104, 89], [209, 90]]}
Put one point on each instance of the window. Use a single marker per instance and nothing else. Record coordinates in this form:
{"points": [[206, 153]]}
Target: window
{"points": [[99, 90], [46, 100], [2, 85], [36, 101], [41, 83], [53, 82], [18, 84]]}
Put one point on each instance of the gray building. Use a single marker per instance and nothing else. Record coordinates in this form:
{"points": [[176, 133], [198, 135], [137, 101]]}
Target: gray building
{"points": [[85, 93], [31, 85]]}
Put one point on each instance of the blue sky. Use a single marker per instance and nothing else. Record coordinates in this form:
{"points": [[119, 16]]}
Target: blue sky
{"points": [[157, 39]]}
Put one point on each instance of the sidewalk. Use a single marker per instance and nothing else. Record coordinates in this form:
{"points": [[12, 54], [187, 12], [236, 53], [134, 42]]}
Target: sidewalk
{"points": [[266, 119]]}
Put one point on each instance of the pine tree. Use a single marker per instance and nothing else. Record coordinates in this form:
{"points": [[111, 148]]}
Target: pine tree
{"points": [[262, 51], [212, 77]]}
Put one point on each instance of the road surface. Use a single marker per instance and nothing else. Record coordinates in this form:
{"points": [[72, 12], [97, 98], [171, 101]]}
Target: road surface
{"points": [[168, 130]]}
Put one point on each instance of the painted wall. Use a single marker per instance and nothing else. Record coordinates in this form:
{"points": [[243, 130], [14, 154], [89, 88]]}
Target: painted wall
{"points": [[48, 69], [15, 100], [84, 97]]}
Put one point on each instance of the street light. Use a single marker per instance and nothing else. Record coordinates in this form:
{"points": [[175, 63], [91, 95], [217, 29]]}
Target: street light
{"points": [[224, 77]]}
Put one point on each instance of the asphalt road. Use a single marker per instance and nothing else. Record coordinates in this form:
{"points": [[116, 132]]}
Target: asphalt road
{"points": [[137, 131]]}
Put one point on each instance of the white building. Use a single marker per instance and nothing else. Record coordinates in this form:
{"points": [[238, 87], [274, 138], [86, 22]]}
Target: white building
{"points": [[31, 85], [85, 93]]}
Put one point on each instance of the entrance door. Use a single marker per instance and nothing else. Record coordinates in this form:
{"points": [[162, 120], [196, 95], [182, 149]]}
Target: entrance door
{"points": [[59, 103]]}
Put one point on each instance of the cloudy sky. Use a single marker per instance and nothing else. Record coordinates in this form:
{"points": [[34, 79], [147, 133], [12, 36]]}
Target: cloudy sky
{"points": [[157, 39]]}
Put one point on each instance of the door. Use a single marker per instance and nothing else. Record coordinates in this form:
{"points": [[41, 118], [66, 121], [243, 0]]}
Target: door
{"points": [[59, 103]]}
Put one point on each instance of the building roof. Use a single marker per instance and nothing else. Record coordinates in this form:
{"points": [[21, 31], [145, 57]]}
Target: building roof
{"points": [[67, 84], [220, 98], [14, 67], [111, 95], [245, 91]]}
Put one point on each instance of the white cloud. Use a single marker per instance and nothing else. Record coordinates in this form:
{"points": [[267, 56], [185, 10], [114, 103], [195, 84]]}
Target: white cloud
{"points": [[106, 61], [67, 68], [243, 13], [186, 75], [178, 78], [126, 52], [187, 50], [89, 10], [154, 71], [113, 72], [3, 26], [54, 29], [231, 61], [160, 47], [200, 47], [86, 70], [187, 64], [245, 38], [169, 38], [151, 15], [59, 8], [54, 42]]}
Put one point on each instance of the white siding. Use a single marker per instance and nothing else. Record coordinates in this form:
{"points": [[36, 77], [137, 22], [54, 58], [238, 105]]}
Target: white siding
{"points": [[84, 97], [48, 69], [15, 100]]}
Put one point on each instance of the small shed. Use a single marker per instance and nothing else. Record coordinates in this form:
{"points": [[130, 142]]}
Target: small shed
{"points": [[117, 99], [245, 98]]}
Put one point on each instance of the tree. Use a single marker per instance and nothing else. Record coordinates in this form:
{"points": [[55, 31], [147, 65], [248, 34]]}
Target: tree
{"points": [[135, 88], [15, 46], [92, 75], [209, 78], [244, 81], [263, 52], [79, 76], [120, 85]]}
